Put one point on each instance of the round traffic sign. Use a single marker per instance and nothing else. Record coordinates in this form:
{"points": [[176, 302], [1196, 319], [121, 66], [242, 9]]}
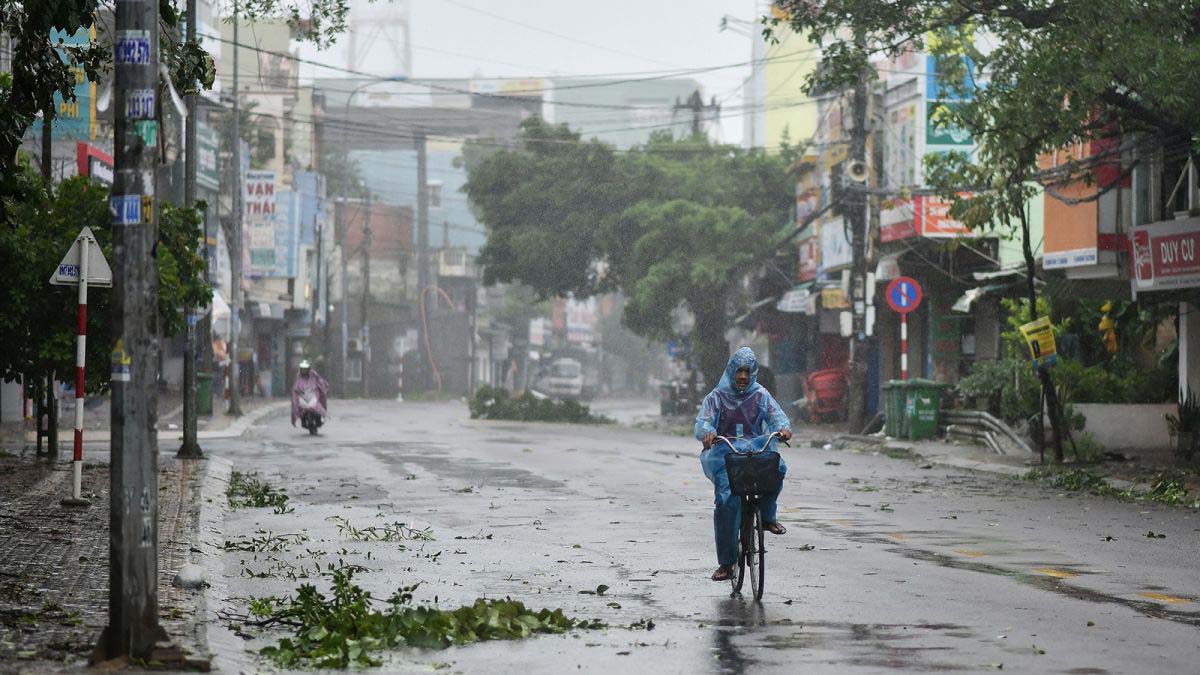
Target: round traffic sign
{"points": [[904, 294]]}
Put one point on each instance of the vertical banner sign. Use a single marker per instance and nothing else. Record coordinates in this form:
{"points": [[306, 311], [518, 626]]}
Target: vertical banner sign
{"points": [[1039, 336], [259, 220]]}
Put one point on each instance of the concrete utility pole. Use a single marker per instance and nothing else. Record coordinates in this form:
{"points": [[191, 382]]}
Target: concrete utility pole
{"points": [[423, 251], [235, 247], [191, 444], [344, 305], [133, 627], [366, 299], [856, 214], [51, 408], [696, 106]]}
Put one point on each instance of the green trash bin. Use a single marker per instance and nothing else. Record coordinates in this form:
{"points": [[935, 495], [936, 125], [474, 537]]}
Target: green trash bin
{"points": [[894, 401], [922, 402], [204, 394]]}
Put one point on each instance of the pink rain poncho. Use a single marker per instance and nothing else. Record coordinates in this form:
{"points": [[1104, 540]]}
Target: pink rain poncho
{"points": [[309, 384]]}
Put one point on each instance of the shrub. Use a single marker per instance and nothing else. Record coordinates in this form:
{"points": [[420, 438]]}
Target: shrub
{"points": [[493, 403]]}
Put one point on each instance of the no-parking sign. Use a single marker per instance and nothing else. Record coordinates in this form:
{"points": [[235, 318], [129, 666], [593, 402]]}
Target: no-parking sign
{"points": [[904, 294]]}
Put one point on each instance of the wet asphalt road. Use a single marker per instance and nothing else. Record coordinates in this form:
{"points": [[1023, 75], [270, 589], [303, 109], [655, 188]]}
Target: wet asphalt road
{"points": [[888, 564]]}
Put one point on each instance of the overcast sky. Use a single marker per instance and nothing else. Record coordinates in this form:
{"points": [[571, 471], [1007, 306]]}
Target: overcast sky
{"points": [[509, 38]]}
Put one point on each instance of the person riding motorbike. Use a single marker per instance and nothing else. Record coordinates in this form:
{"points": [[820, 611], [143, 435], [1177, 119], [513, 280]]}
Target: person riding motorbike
{"points": [[738, 409], [311, 386]]}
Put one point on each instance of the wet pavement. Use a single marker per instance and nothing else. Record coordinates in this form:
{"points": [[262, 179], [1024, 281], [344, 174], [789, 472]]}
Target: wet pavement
{"points": [[888, 564]]}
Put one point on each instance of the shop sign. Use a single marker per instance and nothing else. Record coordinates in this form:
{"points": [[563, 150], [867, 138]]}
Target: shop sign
{"points": [[208, 173], [810, 258], [92, 162], [834, 298], [935, 221], [835, 244], [896, 220], [1165, 255]]}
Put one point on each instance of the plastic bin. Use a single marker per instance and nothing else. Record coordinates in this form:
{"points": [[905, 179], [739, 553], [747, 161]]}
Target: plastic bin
{"points": [[922, 403], [895, 421], [204, 404]]}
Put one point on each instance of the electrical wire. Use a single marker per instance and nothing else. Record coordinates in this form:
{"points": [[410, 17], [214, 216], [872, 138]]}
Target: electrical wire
{"points": [[544, 31]]}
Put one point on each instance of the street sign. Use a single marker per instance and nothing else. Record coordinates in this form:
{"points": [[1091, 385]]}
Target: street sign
{"points": [[98, 271], [904, 294]]}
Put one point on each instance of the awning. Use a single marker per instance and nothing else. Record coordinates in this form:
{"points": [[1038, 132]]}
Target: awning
{"points": [[266, 310], [795, 301], [1013, 274], [888, 267], [964, 302], [753, 308], [220, 308]]}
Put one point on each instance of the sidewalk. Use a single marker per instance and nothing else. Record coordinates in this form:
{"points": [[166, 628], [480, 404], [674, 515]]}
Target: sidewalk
{"points": [[54, 571], [1132, 474], [97, 416]]}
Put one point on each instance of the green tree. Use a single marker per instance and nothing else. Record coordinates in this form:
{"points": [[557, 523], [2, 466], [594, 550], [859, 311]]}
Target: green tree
{"points": [[37, 320], [675, 223]]}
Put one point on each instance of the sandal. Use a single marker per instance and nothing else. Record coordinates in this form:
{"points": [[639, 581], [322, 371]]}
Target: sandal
{"points": [[722, 574], [775, 528]]}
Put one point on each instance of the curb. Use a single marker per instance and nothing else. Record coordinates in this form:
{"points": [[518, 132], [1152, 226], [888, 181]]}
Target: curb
{"points": [[210, 533], [239, 427]]}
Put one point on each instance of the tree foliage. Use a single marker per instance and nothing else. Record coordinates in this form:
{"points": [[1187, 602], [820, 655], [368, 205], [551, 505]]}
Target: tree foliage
{"points": [[42, 68], [674, 223], [37, 320], [1030, 76]]}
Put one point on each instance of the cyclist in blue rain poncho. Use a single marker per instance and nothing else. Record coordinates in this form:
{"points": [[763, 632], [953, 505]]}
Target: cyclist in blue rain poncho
{"points": [[739, 409]]}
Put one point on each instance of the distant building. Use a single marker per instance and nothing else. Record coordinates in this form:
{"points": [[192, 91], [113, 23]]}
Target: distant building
{"points": [[622, 112]]}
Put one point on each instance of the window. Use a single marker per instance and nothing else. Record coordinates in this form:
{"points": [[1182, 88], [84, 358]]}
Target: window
{"points": [[435, 194]]}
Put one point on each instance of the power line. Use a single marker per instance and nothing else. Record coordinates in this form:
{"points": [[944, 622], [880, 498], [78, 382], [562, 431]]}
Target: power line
{"points": [[450, 90], [545, 31]]}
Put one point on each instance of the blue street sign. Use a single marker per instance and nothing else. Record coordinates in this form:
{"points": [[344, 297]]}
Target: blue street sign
{"points": [[126, 209]]}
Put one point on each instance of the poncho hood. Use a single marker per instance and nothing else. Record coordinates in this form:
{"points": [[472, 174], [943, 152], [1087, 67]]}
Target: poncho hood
{"points": [[742, 358]]}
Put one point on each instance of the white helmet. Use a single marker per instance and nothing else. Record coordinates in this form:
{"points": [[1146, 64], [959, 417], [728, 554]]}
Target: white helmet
{"points": [[305, 365]]}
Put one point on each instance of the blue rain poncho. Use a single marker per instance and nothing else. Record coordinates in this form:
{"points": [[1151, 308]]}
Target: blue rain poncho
{"points": [[740, 415]]}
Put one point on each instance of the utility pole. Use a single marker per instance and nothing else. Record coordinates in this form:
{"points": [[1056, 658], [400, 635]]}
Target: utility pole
{"points": [[133, 627], [695, 105], [52, 380], [344, 304], [856, 202], [235, 247], [423, 251], [366, 299], [191, 444]]}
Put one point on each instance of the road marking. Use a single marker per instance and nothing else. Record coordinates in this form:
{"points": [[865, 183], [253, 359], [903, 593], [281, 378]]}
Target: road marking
{"points": [[970, 553], [1163, 597], [1057, 574], [897, 536]]}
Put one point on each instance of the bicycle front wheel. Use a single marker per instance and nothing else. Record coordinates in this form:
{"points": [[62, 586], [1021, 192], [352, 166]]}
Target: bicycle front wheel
{"points": [[739, 570]]}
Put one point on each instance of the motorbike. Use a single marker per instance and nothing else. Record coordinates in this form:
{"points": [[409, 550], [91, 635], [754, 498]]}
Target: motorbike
{"points": [[310, 416]]}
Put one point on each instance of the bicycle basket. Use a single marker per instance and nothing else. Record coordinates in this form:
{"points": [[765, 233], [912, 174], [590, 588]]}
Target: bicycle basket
{"points": [[753, 474]]}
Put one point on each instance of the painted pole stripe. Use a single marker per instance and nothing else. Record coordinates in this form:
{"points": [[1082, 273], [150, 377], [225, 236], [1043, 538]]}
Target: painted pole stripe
{"points": [[80, 363], [904, 346]]}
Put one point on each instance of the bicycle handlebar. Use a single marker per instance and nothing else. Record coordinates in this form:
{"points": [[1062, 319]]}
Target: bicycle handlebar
{"points": [[773, 435]]}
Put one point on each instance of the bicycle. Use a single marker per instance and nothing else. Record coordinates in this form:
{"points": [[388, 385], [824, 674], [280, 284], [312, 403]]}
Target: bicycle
{"points": [[752, 474]]}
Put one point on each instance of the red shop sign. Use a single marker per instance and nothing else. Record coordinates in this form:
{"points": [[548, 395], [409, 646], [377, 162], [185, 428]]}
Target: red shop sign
{"points": [[1166, 255]]}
